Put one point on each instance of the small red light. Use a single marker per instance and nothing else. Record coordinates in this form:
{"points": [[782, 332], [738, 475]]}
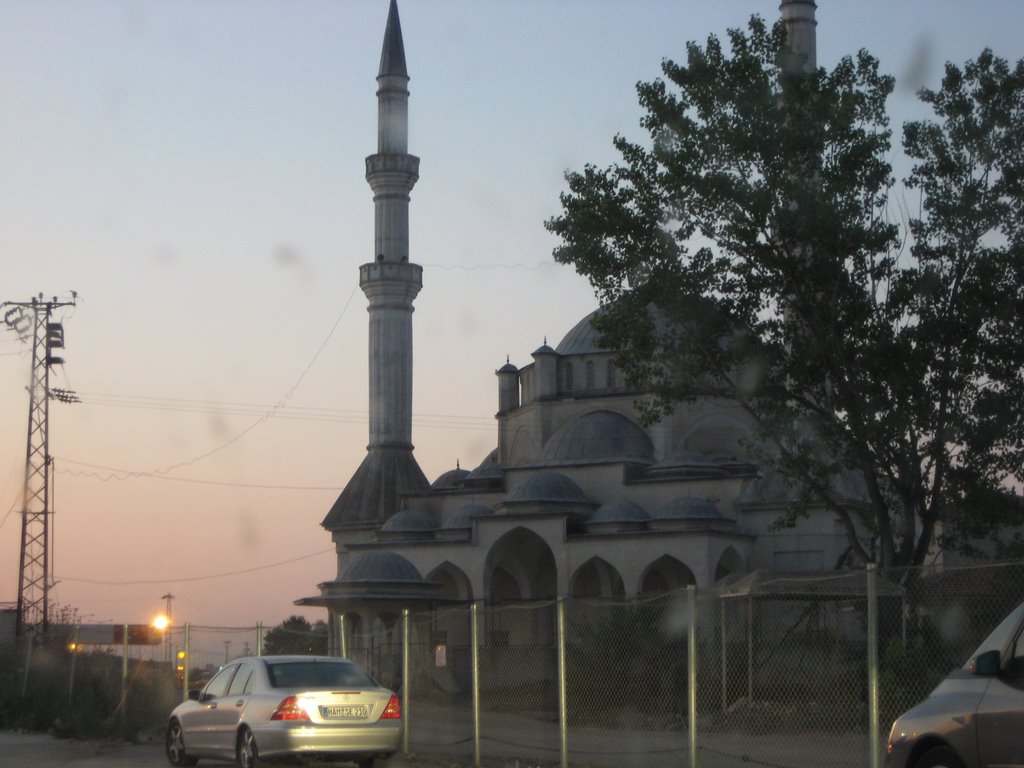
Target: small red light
{"points": [[393, 711], [289, 709]]}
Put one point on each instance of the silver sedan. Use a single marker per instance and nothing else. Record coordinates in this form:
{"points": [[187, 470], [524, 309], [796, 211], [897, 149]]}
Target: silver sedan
{"points": [[279, 707], [975, 717]]}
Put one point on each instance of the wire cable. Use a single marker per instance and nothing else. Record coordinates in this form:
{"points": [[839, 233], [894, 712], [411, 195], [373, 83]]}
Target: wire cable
{"points": [[264, 417], [183, 579]]}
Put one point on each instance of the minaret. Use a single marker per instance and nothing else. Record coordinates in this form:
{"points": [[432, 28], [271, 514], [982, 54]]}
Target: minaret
{"points": [[798, 16], [390, 283]]}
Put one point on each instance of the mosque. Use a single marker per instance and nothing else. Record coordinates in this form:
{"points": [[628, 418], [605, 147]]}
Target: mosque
{"points": [[578, 499]]}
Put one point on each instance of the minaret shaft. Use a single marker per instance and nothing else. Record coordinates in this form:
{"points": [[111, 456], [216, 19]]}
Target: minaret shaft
{"points": [[798, 16], [390, 282]]}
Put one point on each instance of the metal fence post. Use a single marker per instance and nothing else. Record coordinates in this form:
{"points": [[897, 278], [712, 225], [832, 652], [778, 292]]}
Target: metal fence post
{"points": [[691, 671], [74, 657], [188, 661], [474, 636], [405, 680], [259, 638], [725, 657], [563, 707], [124, 684], [872, 639], [342, 639]]}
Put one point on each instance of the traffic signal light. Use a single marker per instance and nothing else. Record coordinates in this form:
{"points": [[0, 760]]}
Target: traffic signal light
{"points": [[179, 669]]}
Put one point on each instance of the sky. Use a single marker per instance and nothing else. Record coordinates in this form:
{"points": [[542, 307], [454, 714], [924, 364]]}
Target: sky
{"points": [[194, 170]]}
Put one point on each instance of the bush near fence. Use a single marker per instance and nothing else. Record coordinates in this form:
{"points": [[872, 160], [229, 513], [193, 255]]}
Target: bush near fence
{"points": [[770, 664]]}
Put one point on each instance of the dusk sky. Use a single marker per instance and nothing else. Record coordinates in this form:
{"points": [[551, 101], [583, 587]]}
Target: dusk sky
{"points": [[194, 170]]}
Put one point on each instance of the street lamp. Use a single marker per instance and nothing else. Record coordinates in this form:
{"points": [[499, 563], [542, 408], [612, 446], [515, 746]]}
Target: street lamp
{"points": [[161, 624]]}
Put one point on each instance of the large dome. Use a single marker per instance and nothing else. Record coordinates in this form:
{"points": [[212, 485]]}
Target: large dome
{"points": [[463, 517], [550, 487], [409, 521], [600, 435], [381, 566], [582, 339], [620, 511], [688, 508]]}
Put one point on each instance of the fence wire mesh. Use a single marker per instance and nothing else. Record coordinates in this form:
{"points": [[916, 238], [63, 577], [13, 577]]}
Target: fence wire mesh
{"points": [[782, 674]]}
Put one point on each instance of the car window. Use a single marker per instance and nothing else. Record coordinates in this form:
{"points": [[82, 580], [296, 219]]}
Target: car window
{"points": [[317, 674], [1015, 666], [1001, 636], [218, 686], [241, 683]]}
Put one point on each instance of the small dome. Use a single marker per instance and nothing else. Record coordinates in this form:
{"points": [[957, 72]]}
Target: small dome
{"points": [[507, 368], [488, 469], [544, 349], [582, 339], [552, 487], [409, 520], [463, 515], [621, 511], [450, 479], [381, 566], [600, 435], [688, 508]]}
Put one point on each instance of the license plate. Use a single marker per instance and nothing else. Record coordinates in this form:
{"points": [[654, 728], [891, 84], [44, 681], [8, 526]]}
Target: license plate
{"points": [[338, 713]]}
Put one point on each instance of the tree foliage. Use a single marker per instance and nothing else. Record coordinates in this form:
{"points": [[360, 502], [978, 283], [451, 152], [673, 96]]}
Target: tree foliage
{"points": [[295, 635], [749, 252]]}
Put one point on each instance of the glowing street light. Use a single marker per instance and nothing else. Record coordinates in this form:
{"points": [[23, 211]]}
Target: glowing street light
{"points": [[161, 623]]}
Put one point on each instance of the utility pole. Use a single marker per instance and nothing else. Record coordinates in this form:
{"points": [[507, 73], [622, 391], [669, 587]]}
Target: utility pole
{"points": [[167, 632], [34, 570]]}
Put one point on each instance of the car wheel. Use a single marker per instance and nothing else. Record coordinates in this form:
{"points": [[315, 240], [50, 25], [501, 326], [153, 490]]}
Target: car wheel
{"points": [[246, 752], [371, 762], [174, 746], [939, 757]]}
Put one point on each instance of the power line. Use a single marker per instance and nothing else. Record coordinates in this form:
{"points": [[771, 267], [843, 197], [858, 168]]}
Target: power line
{"points": [[264, 417], [488, 267], [208, 577], [127, 474], [301, 413]]}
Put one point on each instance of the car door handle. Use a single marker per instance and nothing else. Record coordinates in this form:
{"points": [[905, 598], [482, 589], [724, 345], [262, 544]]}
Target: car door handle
{"points": [[240, 702], [212, 705]]}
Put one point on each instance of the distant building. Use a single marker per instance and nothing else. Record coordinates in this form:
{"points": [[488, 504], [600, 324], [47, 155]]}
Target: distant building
{"points": [[577, 499], [8, 625]]}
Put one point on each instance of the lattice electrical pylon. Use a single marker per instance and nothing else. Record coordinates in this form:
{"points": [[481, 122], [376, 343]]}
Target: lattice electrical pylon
{"points": [[34, 565]]}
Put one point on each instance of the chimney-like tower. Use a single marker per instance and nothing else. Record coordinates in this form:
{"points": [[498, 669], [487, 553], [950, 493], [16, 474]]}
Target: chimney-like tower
{"points": [[798, 16], [390, 283]]}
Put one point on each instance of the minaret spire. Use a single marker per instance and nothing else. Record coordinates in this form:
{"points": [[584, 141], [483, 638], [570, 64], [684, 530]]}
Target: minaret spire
{"points": [[391, 283], [392, 55]]}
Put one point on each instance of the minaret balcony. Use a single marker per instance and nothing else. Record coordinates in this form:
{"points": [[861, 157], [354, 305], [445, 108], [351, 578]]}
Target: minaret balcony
{"points": [[392, 171]]}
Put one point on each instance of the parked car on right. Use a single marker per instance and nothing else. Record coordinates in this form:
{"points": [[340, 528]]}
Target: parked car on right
{"points": [[975, 717]]}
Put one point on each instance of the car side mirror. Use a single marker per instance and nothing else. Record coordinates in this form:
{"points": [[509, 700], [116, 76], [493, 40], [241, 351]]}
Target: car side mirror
{"points": [[193, 694], [985, 664]]}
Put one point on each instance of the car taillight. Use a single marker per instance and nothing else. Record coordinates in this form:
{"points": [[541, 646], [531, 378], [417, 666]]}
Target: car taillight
{"points": [[393, 711], [289, 709]]}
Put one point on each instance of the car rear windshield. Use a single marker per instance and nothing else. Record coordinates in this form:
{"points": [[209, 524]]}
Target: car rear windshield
{"points": [[317, 674]]}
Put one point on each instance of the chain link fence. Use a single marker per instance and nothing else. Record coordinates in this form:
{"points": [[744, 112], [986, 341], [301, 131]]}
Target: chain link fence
{"points": [[768, 669]]}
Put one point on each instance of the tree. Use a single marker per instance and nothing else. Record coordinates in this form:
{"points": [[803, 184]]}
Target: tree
{"points": [[296, 635], [748, 253]]}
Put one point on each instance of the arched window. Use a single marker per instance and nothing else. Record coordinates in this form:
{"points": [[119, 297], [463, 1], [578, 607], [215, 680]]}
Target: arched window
{"points": [[570, 377], [611, 375], [588, 374]]}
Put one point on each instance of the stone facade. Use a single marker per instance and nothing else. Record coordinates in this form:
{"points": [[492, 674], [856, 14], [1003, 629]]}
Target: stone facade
{"points": [[578, 499]]}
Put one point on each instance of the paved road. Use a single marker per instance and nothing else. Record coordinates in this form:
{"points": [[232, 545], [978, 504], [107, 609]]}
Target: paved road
{"points": [[35, 750], [591, 749]]}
